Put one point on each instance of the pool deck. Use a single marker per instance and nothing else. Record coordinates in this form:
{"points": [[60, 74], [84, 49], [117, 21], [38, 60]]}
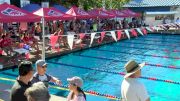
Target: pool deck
{"points": [[5, 93]]}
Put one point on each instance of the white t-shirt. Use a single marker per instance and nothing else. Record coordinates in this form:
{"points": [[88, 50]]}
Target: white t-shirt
{"points": [[133, 90]]}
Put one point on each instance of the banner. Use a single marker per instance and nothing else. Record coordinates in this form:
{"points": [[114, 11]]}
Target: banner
{"points": [[53, 40], [102, 35], [144, 31], [156, 28], [149, 29], [127, 33], [81, 35], [113, 35], [139, 31], [70, 39], [119, 34], [92, 38], [133, 32]]}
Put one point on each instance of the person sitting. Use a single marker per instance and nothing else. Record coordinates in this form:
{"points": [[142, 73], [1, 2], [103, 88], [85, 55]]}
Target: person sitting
{"points": [[37, 92], [6, 44], [76, 94]]}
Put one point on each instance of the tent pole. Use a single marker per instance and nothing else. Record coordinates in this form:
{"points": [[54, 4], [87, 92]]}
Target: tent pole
{"points": [[43, 36]]}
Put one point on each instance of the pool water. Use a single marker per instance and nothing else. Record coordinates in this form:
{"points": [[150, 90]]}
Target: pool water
{"points": [[111, 57]]}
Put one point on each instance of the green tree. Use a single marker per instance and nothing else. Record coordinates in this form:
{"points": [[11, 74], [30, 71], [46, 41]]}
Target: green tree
{"points": [[87, 4], [114, 4]]}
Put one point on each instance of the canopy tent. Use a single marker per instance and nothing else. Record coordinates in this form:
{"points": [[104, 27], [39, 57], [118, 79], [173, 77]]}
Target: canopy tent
{"points": [[79, 13], [61, 8], [118, 13], [130, 13], [52, 14], [31, 7], [10, 13], [100, 13]]}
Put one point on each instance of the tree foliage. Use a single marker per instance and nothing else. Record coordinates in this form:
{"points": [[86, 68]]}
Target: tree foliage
{"points": [[114, 4], [88, 4]]}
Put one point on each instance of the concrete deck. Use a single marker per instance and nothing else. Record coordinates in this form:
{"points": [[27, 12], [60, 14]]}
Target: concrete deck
{"points": [[5, 93]]}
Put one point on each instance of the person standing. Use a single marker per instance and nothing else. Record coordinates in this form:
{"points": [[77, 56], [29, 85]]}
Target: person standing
{"points": [[76, 93], [23, 81], [131, 88], [37, 92], [41, 75]]}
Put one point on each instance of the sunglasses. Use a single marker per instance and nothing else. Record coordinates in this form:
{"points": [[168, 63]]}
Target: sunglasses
{"points": [[44, 66], [72, 84]]}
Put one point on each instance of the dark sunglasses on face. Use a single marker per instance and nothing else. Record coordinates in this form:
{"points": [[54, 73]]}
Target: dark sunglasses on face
{"points": [[72, 84], [44, 66]]}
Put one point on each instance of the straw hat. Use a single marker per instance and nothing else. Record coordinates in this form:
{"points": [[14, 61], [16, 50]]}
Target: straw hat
{"points": [[132, 67]]}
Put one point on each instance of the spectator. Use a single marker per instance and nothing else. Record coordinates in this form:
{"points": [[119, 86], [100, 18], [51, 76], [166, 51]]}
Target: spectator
{"points": [[131, 88], [76, 93], [41, 75], [22, 83], [38, 31], [38, 92]]}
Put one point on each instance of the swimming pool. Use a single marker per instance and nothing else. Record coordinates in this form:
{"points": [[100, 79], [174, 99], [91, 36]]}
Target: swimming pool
{"points": [[101, 67]]}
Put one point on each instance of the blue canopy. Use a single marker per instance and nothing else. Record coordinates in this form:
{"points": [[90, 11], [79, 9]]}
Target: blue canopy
{"points": [[31, 7], [61, 8]]}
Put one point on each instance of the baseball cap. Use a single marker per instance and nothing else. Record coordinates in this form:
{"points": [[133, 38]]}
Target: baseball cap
{"points": [[40, 63], [25, 67], [76, 81]]}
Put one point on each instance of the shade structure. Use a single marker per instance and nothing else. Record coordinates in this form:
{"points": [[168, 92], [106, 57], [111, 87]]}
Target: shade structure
{"points": [[61, 8], [52, 14], [130, 13], [118, 13], [31, 7], [100, 13], [79, 13], [10, 13]]}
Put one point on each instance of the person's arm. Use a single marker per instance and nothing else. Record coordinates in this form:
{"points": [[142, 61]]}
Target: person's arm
{"points": [[54, 79], [142, 93], [57, 81]]}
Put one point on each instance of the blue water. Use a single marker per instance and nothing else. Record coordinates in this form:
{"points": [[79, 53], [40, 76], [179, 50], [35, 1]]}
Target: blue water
{"points": [[113, 59]]}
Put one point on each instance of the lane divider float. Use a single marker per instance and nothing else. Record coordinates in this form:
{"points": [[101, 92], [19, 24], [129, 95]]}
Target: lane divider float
{"points": [[168, 57], [132, 46], [115, 60], [113, 72], [172, 45]]}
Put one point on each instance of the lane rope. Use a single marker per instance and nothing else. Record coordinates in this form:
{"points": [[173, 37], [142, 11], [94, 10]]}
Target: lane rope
{"points": [[156, 40], [162, 38], [132, 46], [65, 88], [155, 56], [172, 45], [112, 72], [170, 38], [115, 60]]}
